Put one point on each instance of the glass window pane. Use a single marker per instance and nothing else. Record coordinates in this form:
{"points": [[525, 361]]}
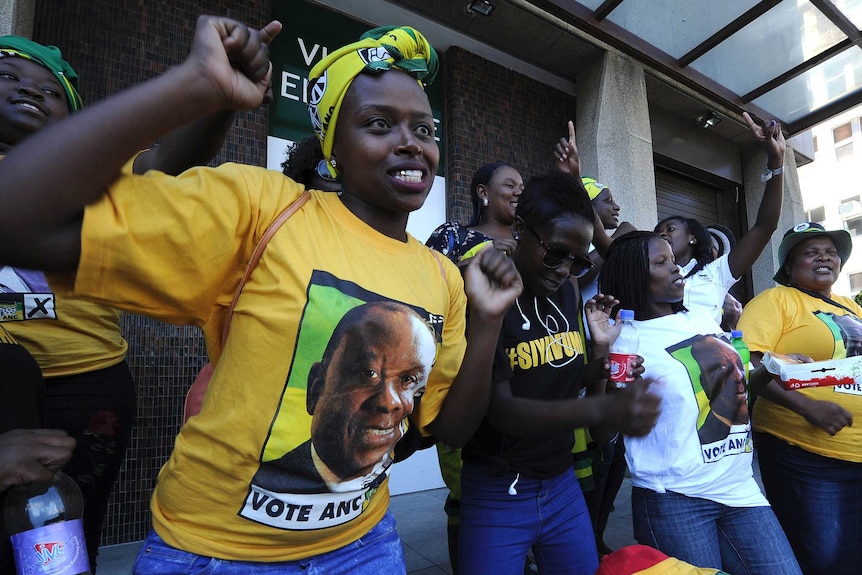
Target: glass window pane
{"points": [[591, 4], [842, 132], [852, 9], [679, 25], [787, 35], [825, 83]]}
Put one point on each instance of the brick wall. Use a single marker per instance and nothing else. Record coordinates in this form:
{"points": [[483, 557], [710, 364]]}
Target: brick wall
{"points": [[492, 114], [496, 114], [112, 45], [115, 44]]}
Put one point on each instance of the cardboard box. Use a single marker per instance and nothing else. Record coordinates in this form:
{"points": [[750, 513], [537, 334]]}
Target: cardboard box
{"points": [[793, 374]]}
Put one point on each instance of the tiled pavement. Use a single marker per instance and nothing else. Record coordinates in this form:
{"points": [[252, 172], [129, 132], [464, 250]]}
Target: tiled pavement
{"points": [[422, 525]]}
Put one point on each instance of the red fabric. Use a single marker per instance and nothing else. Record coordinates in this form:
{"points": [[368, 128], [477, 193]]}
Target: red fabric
{"points": [[629, 560], [195, 395]]}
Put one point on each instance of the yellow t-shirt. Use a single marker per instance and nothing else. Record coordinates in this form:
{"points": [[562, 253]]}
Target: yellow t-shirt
{"points": [[786, 320], [79, 337], [65, 335], [243, 482]]}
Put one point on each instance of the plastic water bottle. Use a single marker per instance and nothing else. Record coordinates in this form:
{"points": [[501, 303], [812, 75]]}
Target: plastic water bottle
{"points": [[624, 350], [742, 349], [44, 521]]}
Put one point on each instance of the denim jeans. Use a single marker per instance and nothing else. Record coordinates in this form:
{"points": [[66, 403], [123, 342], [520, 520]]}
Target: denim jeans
{"points": [[738, 540], [378, 552], [498, 528], [818, 501]]}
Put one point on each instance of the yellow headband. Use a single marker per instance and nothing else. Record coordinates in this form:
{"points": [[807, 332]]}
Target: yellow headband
{"points": [[593, 187], [377, 50]]}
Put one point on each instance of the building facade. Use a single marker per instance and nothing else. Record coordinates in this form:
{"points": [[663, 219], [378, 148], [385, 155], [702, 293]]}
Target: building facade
{"points": [[636, 129], [831, 188]]}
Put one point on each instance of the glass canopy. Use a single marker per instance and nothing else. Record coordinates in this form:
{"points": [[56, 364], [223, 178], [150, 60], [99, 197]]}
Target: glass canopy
{"points": [[797, 60]]}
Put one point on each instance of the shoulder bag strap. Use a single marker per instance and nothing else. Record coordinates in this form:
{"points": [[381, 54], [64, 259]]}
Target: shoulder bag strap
{"points": [[828, 300], [258, 251]]}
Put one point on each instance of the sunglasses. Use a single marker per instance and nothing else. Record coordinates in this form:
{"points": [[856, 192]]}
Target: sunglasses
{"points": [[555, 257], [323, 171]]}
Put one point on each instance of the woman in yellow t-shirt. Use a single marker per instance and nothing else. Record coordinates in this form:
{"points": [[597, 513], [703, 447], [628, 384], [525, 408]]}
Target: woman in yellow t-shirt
{"points": [[807, 440], [175, 248]]}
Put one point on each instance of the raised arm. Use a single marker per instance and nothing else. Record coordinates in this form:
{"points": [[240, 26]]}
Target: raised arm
{"points": [[566, 153], [46, 181], [749, 247], [632, 411], [492, 283], [193, 145]]}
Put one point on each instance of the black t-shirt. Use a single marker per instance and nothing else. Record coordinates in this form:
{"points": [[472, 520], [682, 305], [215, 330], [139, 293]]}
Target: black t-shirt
{"points": [[541, 352]]}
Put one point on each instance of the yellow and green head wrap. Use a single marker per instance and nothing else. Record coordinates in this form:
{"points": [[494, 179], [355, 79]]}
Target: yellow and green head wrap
{"points": [[377, 50], [48, 57], [593, 187]]}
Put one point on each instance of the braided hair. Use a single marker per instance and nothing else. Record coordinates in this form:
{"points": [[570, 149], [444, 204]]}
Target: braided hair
{"points": [[626, 272], [702, 248], [482, 176]]}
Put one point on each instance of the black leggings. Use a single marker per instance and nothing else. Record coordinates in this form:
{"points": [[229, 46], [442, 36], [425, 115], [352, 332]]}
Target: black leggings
{"points": [[22, 393], [98, 410]]}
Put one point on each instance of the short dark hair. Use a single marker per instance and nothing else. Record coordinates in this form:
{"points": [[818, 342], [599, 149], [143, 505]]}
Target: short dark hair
{"points": [[551, 195], [302, 159], [625, 273], [702, 249]]}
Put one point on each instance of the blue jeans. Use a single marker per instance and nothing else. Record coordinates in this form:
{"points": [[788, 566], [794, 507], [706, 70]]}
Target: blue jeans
{"points": [[378, 552], [497, 529], [738, 540], [818, 501]]}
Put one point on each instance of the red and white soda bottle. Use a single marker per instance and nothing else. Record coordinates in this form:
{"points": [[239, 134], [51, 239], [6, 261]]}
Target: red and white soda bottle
{"points": [[624, 350]]}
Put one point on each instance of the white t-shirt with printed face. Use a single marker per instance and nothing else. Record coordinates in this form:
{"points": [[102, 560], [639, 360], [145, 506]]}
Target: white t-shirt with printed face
{"points": [[701, 445]]}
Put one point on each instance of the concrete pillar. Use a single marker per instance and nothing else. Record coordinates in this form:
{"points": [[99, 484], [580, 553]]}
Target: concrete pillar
{"points": [[16, 17], [614, 136], [753, 165]]}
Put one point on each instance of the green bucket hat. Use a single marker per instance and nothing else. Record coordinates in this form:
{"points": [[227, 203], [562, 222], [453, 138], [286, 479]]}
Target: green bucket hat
{"points": [[806, 230], [48, 57]]}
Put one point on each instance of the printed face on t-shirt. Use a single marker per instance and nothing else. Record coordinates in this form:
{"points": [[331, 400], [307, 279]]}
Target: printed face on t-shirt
{"points": [[366, 384], [723, 378], [718, 384], [851, 332]]}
